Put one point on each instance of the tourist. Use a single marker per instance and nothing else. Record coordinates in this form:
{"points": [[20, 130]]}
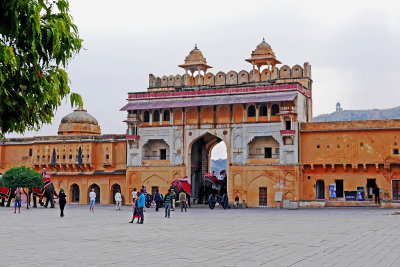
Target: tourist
{"points": [[173, 199], [182, 199], [17, 202], [167, 201], [92, 196], [237, 201], [134, 198], [376, 192], [140, 203], [118, 199], [135, 208], [62, 200], [157, 199]]}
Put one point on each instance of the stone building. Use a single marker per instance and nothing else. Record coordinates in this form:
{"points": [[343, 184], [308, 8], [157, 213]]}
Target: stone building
{"points": [[173, 127], [78, 159]]}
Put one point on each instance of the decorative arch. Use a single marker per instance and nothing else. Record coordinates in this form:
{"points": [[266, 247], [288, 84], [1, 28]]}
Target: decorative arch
{"points": [[166, 115], [274, 109], [268, 179], [263, 110], [113, 191], [251, 111], [96, 188], [156, 116], [74, 193], [146, 116]]}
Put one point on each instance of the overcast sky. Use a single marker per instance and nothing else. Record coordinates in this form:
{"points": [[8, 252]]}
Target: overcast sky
{"points": [[352, 46]]}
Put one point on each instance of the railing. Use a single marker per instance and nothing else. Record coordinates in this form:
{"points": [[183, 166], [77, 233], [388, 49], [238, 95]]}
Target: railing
{"points": [[288, 132]]}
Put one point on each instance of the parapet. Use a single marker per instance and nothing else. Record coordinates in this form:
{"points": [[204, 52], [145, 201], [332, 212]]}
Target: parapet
{"points": [[276, 75]]}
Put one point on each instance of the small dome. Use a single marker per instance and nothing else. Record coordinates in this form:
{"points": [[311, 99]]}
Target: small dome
{"points": [[78, 122], [195, 56], [263, 50]]}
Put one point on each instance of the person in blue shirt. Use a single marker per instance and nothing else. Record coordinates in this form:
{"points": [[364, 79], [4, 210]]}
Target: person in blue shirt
{"points": [[141, 202]]}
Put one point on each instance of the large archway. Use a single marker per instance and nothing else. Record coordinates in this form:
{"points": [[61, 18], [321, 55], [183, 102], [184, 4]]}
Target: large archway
{"points": [[200, 164], [114, 189], [96, 190]]}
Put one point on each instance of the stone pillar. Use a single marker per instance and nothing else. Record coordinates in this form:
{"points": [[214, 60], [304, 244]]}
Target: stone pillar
{"points": [[171, 117], [161, 117], [199, 82], [257, 111], [150, 118], [269, 112], [244, 113], [231, 114]]}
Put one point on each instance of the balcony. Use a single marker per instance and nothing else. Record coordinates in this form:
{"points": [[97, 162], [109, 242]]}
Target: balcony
{"points": [[134, 138], [288, 132]]}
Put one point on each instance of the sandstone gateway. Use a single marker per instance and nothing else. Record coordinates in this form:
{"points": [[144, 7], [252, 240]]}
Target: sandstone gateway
{"points": [[263, 116]]}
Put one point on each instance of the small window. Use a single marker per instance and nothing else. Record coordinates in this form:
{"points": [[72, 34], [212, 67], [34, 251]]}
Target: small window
{"points": [[156, 116], [268, 152], [338, 146], [58, 156], [30, 152], [146, 116], [308, 177], [263, 110], [318, 146], [44, 157], [38, 157], [348, 146], [288, 125], [70, 156], [166, 115], [87, 156], [274, 109], [395, 151], [107, 156], [327, 146], [163, 154], [277, 150], [395, 144], [63, 156], [251, 111], [361, 144]]}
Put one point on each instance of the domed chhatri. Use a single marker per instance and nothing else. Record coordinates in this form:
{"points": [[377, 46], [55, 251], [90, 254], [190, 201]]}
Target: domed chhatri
{"points": [[263, 55], [195, 61], [79, 122]]}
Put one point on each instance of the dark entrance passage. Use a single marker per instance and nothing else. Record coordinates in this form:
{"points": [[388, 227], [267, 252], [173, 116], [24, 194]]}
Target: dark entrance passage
{"points": [[370, 187], [262, 196], [75, 193], [339, 188], [199, 160], [114, 189], [395, 189], [320, 189]]}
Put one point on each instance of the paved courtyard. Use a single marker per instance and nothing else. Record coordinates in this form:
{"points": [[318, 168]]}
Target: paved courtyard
{"points": [[251, 237]]}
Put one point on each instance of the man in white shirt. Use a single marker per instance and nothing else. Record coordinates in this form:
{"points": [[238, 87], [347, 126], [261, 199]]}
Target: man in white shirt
{"points": [[92, 196], [118, 199]]}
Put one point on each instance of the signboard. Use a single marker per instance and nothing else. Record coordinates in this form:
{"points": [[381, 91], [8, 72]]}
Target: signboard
{"points": [[332, 190], [278, 196]]}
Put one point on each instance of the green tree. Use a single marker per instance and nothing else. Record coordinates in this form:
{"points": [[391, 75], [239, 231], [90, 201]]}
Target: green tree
{"points": [[23, 177], [37, 40]]}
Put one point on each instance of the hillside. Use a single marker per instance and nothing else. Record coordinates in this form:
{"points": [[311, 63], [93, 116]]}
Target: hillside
{"points": [[352, 115], [218, 165]]}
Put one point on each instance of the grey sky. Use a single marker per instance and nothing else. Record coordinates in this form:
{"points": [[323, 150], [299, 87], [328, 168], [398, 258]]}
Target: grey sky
{"points": [[353, 47]]}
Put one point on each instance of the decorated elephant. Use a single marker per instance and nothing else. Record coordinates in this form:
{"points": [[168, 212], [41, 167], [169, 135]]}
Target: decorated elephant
{"points": [[6, 194], [181, 185], [47, 191]]}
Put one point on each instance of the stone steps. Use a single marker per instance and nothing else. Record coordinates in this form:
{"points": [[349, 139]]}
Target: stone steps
{"points": [[351, 204]]}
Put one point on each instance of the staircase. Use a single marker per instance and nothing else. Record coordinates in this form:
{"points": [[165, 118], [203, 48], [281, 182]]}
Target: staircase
{"points": [[351, 204]]}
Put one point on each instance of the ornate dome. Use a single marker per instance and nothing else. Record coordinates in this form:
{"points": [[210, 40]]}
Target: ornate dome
{"points": [[195, 57], [77, 123], [263, 50]]}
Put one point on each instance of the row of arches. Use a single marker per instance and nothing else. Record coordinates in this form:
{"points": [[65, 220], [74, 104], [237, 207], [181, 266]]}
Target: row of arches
{"points": [[75, 193]]}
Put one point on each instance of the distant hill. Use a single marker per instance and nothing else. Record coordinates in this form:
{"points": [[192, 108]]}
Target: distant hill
{"points": [[353, 115], [218, 165]]}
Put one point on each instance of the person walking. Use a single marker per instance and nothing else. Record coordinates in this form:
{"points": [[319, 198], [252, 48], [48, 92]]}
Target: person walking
{"points": [[134, 198], [135, 209], [62, 201], [157, 199], [17, 202], [92, 196], [182, 199], [376, 192], [140, 203], [168, 201], [118, 199], [173, 199]]}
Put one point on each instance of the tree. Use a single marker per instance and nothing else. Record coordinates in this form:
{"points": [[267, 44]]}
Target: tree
{"points": [[23, 177], [37, 40]]}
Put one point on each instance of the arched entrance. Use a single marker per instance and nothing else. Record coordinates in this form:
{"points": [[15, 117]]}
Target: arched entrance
{"points": [[114, 189], [200, 163], [96, 190], [320, 189], [75, 192]]}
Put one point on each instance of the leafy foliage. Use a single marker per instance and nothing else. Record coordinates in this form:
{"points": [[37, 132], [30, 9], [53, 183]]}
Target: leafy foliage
{"points": [[22, 176], [37, 39]]}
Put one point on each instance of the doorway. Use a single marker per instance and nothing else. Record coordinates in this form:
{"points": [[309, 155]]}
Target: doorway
{"points": [[114, 189], [339, 188], [371, 183], [96, 190], [262, 196], [75, 193], [320, 189], [395, 189]]}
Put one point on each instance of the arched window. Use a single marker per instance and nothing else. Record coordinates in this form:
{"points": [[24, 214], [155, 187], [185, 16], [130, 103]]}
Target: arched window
{"points": [[274, 109], [166, 115], [156, 116], [146, 116], [263, 110], [251, 111]]}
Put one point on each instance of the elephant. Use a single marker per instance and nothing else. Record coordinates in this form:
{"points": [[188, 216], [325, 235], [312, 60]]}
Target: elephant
{"points": [[178, 189], [48, 192], [6, 193]]}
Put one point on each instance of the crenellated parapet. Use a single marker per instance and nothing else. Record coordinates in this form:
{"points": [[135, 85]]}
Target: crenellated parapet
{"points": [[276, 75]]}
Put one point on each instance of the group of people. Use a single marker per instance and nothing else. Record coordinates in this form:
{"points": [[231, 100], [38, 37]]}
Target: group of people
{"points": [[139, 199]]}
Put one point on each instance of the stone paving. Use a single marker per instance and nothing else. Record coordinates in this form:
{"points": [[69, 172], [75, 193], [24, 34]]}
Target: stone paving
{"points": [[250, 237]]}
